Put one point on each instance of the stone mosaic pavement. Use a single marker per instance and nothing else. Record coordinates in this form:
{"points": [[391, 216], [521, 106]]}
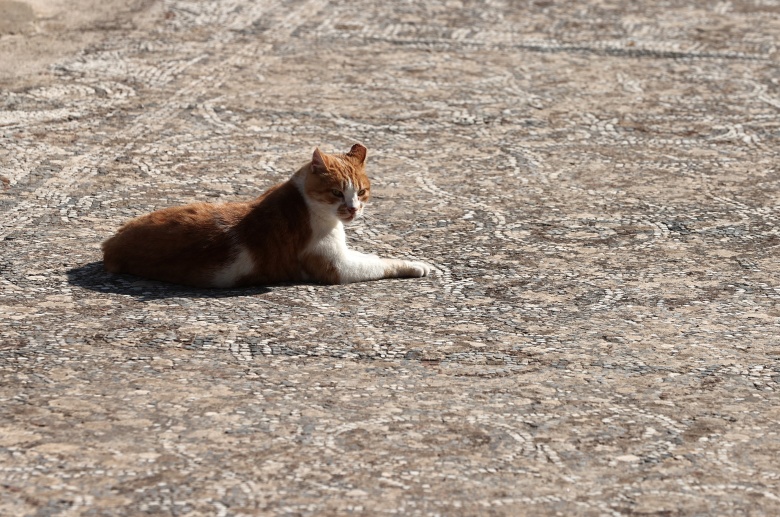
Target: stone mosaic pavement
{"points": [[596, 181]]}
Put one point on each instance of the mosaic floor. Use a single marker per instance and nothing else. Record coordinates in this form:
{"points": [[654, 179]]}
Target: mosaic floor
{"points": [[597, 183]]}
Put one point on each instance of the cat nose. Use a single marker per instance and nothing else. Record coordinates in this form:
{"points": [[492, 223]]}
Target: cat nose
{"points": [[352, 209]]}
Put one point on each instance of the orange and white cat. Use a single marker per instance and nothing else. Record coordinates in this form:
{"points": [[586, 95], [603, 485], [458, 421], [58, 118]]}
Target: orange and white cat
{"points": [[293, 232]]}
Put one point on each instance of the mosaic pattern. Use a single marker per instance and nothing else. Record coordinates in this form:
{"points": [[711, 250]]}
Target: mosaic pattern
{"points": [[597, 183]]}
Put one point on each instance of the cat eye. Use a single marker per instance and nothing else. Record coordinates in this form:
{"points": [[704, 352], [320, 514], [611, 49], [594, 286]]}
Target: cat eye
{"points": [[362, 192], [337, 193]]}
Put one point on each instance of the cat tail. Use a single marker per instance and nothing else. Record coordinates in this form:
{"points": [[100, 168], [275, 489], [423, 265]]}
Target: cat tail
{"points": [[111, 259]]}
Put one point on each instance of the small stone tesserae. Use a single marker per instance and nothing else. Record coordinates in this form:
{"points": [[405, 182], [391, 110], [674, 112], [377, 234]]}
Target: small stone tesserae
{"points": [[293, 232]]}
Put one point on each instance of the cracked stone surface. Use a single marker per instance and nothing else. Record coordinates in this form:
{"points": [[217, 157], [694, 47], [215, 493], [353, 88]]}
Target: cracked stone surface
{"points": [[597, 183]]}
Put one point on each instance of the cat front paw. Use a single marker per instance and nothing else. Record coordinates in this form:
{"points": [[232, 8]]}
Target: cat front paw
{"points": [[420, 269], [396, 268]]}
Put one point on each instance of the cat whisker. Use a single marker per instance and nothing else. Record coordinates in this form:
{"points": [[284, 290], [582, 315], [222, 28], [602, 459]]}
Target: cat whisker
{"points": [[367, 221]]}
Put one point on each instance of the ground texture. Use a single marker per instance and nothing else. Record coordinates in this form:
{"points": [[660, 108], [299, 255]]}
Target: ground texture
{"points": [[596, 181]]}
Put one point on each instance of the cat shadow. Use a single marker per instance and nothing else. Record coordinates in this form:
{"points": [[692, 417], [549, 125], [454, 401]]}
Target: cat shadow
{"points": [[94, 277]]}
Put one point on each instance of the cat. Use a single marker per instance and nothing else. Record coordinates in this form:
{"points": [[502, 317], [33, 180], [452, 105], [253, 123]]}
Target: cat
{"points": [[294, 232]]}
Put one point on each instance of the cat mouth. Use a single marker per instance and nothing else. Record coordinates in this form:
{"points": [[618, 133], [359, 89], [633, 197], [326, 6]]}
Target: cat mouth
{"points": [[348, 218]]}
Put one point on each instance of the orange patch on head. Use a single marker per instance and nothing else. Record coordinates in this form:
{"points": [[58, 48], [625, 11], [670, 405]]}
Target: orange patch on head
{"points": [[334, 173]]}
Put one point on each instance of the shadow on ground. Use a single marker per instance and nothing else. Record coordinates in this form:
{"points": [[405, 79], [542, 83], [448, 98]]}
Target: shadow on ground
{"points": [[94, 277]]}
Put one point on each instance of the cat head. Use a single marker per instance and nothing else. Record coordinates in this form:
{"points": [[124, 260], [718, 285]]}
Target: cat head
{"points": [[337, 185]]}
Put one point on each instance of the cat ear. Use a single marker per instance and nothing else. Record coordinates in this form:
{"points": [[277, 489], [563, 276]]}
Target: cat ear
{"points": [[319, 163], [358, 153]]}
